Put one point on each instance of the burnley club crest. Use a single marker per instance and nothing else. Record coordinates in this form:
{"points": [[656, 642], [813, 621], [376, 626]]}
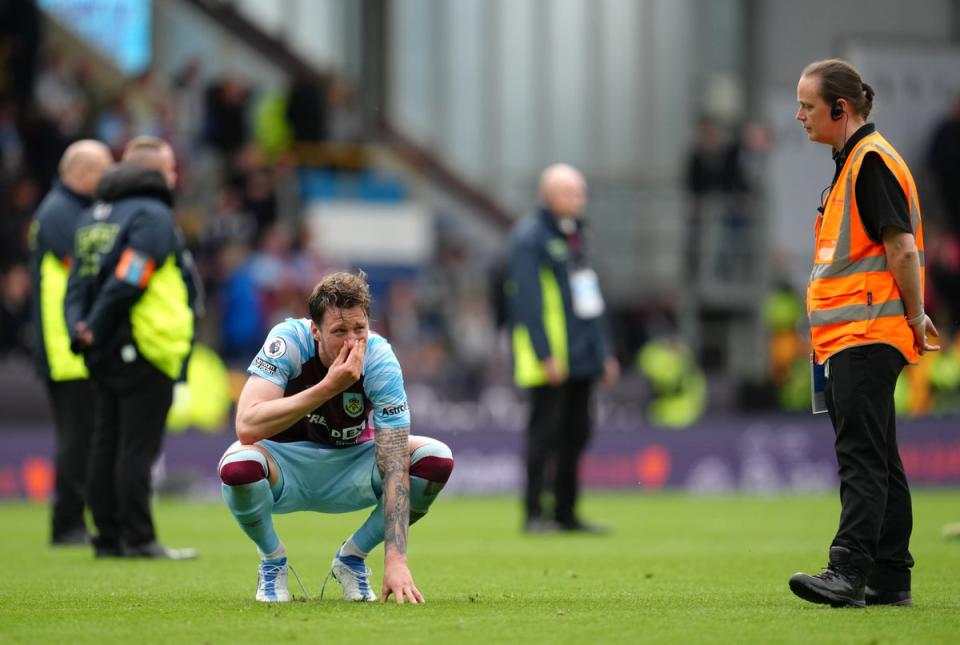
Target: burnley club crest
{"points": [[353, 403]]}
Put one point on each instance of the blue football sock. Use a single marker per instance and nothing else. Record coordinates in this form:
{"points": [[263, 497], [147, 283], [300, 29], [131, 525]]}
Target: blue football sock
{"points": [[370, 533], [423, 492], [252, 506]]}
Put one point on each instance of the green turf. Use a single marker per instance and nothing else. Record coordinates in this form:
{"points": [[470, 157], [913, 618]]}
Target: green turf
{"points": [[676, 569]]}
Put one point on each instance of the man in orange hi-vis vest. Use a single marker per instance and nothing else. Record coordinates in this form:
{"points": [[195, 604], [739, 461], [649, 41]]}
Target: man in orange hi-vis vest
{"points": [[865, 303]]}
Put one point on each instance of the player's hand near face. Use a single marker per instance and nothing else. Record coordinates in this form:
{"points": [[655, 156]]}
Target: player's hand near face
{"points": [[398, 581], [347, 366]]}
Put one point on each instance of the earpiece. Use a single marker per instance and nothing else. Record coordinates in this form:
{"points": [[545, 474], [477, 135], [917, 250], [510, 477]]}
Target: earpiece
{"points": [[836, 110]]}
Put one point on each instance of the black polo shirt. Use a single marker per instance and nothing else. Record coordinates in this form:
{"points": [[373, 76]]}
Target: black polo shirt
{"points": [[880, 198]]}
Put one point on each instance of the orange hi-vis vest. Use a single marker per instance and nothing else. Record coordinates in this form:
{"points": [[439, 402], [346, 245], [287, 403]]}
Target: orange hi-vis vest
{"points": [[852, 297]]}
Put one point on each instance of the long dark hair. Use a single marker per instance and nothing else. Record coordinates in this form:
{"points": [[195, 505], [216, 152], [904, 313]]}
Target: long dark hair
{"points": [[840, 80]]}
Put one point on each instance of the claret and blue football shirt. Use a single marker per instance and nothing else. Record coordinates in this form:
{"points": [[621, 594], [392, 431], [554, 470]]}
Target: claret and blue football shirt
{"points": [[289, 359]]}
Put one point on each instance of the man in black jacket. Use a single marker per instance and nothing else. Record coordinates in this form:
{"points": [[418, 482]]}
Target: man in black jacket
{"points": [[560, 344], [65, 375], [129, 307]]}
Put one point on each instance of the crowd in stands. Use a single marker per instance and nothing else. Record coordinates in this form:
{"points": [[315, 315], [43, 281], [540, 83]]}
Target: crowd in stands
{"points": [[241, 154], [722, 176]]}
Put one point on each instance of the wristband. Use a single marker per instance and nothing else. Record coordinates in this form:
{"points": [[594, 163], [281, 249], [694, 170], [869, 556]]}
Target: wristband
{"points": [[916, 320]]}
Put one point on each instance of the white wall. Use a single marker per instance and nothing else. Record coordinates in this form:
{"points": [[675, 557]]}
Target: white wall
{"points": [[793, 34], [183, 34], [501, 88], [315, 29]]}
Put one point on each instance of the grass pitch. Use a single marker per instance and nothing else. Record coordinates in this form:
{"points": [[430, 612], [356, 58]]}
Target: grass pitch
{"points": [[676, 569]]}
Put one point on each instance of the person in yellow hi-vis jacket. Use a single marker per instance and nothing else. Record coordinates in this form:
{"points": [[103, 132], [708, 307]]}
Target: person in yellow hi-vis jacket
{"points": [[65, 375], [560, 344], [130, 311], [865, 304]]}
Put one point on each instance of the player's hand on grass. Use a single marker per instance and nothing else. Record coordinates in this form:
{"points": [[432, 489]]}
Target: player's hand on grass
{"points": [[398, 581], [348, 365]]}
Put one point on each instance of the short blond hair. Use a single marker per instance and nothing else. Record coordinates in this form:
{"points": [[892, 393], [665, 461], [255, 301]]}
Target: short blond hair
{"points": [[144, 150]]}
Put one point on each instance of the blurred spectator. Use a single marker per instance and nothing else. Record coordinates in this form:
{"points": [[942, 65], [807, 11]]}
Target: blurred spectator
{"points": [[678, 385], [228, 223], [307, 109], [187, 98], [226, 116], [282, 275], [14, 310], [260, 198], [704, 174], [84, 75], [130, 307], [242, 315], [286, 188], [19, 45], [239, 199], [560, 342], [784, 313], [66, 378], [943, 287], [59, 97], [401, 319], [147, 107], [42, 146], [15, 221], [345, 117], [263, 288], [744, 161], [474, 341], [706, 160], [456, 291], [11, 147], [113, 125], [943, 260], [945, 164]]}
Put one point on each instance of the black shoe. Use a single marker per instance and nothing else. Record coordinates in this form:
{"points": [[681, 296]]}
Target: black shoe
{"points": [[540, 525], [577, 526], [106, 548], [73, 537], [107, 552], [890, 598], [158, 551], [839, 585]]}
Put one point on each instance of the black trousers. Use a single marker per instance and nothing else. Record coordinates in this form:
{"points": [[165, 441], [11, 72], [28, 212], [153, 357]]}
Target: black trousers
{"points": [[72, 403], [559, 427], [132, 404], [876, 516]]}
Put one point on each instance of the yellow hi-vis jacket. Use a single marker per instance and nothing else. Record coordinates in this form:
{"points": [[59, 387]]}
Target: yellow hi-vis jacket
{"points": [[852, 297]]}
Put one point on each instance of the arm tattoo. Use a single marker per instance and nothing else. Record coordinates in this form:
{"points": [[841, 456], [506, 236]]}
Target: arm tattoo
{"points": [[393, 460]]}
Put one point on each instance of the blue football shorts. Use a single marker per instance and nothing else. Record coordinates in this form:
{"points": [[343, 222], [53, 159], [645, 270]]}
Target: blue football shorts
{"points": [[325, 480]]}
